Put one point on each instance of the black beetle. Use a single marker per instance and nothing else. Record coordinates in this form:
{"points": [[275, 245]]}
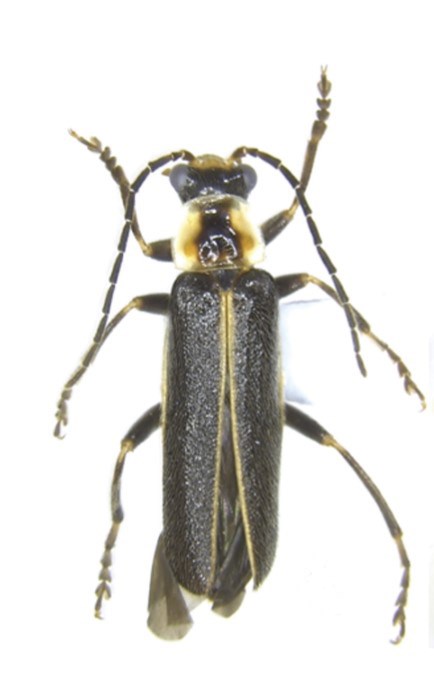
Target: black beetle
{"points": [[222, 410]]}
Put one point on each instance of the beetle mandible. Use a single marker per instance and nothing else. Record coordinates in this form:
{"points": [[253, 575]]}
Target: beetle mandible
{"points": [[222, 410]]}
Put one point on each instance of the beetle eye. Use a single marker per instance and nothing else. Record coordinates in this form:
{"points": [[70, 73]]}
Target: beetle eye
{"points": [[250, 177], [179, 177]]}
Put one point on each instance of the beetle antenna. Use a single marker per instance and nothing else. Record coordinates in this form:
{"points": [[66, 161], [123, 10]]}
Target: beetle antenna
{"points": [[128, 192], [318, 130], [301, 197], [130, 219], [117, 173]]}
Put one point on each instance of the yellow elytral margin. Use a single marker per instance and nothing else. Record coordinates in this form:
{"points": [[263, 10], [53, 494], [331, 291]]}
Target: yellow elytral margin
{"points": [[218, 454], [238, 467]]}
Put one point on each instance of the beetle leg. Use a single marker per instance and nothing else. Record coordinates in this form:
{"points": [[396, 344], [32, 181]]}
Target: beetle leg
{"points": [[293, 282], [129, 202], [304, 424], [325, 259], [153, 304], [318, 129], [110, 162], [159, 250], [137, 434], [274, 225], [156, 304]]}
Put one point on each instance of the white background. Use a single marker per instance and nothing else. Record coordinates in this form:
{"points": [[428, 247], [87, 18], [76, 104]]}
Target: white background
{"points": [[147, 78]]}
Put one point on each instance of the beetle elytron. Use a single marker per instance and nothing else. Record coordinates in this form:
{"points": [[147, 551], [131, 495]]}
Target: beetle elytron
{"points": [[222, 410]]}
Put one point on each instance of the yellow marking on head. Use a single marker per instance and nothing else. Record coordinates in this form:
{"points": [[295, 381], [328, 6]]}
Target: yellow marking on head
{"points": [[212, 161]]}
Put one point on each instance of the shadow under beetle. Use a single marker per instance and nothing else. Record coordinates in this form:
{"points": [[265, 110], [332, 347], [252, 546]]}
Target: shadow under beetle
{"points": [[222, 411]]}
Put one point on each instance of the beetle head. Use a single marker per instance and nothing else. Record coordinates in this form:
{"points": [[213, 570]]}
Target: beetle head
{"points": [[216, 232], [209, 174]]}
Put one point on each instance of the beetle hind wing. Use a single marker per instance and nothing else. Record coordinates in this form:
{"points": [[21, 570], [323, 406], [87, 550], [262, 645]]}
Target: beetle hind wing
{"points": [[169, 616], [227, 608], [233, 576]]}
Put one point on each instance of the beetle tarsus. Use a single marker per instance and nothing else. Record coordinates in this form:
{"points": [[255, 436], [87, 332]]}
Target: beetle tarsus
{"points": [[62, 414], [102, 592], [401, 600], [58, 429], [410, 386]]}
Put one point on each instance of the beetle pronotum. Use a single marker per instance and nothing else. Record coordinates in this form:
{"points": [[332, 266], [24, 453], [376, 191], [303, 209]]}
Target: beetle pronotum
{"points": [[222, 410]]}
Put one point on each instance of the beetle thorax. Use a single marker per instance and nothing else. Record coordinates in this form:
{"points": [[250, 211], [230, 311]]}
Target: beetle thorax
{"points": [[217, 233]]}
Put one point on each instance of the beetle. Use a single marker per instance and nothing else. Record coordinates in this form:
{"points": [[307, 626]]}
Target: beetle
{"points": [[222, 412]]}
